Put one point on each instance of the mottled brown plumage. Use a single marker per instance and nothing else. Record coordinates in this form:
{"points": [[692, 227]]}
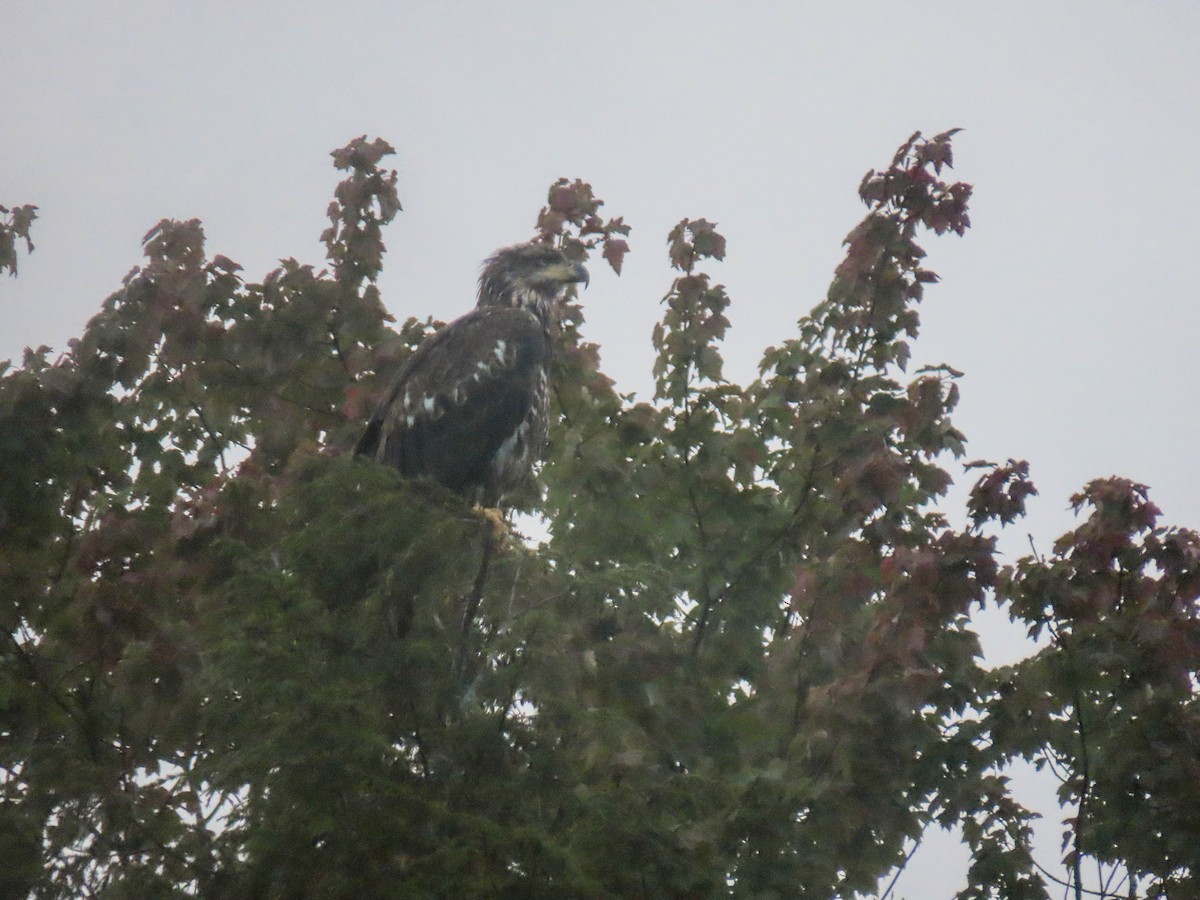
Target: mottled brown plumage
{"points": [[469, 408]]}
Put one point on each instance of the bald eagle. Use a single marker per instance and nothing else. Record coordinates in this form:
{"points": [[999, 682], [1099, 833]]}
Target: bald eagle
{"points": [[469, 407]]}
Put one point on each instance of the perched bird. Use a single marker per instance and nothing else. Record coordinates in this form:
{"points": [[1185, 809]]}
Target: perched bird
{"points": [[469, 408]]}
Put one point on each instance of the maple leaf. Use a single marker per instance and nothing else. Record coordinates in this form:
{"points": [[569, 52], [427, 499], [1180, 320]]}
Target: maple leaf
{"points": [[614, 252]]}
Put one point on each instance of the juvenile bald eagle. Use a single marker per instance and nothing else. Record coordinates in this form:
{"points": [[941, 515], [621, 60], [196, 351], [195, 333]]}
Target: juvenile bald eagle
{"points": [[469, 408]]}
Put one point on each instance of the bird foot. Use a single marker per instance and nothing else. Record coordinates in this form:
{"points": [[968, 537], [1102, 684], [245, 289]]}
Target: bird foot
{"points": [[495, 518]]}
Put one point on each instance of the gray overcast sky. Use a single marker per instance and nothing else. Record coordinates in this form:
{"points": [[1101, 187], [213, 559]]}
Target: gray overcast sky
{"points": [[1072, 305]]}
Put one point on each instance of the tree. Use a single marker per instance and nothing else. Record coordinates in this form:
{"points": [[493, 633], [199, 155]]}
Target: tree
{"points": [[239, 662]]}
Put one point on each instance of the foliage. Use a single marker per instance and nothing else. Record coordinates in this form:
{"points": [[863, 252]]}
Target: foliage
{"points": [[1110, 703], [238, 662], [14, 225]]}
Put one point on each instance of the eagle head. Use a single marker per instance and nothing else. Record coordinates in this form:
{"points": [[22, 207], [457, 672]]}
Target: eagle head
{"points": [[530, 275]]}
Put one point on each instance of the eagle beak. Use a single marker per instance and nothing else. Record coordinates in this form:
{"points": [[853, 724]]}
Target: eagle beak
{"points": [[579, 273]]}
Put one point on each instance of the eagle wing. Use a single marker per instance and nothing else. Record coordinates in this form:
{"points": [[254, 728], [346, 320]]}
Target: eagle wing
{"points": [[460, 397]]}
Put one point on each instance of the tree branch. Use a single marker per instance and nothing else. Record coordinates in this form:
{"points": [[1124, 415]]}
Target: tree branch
{"points": [[474, 600]]}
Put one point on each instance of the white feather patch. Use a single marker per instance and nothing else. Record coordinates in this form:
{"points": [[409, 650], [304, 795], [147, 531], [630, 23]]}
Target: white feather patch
{"points": [[504, 455]]}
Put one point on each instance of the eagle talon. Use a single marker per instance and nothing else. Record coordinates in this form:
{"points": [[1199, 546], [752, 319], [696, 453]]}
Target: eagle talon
{"points": [[495, 517]]}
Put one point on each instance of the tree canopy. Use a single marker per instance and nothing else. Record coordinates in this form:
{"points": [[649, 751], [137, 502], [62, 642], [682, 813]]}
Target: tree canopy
{"points": [[236, 661]]}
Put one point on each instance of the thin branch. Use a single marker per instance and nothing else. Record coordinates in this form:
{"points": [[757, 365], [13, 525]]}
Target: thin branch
{"points": [[1084, 791], [1033, 548], [900, 870], [1055, 766], [1066, 884], [475, 599], [212, 435], [1047, 873], [36, 677], [518, 668], [708, 601]]}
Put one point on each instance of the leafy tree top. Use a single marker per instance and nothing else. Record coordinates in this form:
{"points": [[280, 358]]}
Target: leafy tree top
{"points": [[237, 662]]}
